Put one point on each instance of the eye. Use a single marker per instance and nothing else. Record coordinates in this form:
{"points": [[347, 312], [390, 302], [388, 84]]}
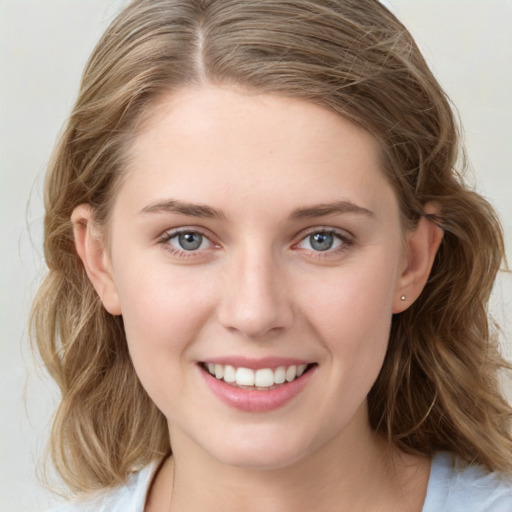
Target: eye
{"points": [[323, 241], [188, 241], [181, 242]]}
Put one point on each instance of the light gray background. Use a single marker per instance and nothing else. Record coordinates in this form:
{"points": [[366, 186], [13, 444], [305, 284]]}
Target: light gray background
{"points": [[44, 45]]}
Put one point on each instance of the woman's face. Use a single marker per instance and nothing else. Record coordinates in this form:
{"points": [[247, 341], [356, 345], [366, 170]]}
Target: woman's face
{"points": [[254, 234]]}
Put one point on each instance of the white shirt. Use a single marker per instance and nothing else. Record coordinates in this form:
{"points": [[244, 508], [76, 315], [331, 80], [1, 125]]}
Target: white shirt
{"points": [[450, 489]]}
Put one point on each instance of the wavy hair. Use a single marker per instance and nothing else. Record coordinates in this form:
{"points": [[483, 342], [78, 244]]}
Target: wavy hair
{"points": [[439, 385]]}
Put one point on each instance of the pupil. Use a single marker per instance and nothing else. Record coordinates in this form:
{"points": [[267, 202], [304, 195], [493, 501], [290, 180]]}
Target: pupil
{"points": [[190, 241], [321, 241]]}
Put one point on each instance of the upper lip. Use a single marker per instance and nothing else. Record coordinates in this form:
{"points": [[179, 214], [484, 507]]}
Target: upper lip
{"points": [[256, 364]]}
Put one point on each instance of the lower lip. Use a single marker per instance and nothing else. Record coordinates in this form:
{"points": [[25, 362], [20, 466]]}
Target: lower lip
{"points": [[257, 400]]}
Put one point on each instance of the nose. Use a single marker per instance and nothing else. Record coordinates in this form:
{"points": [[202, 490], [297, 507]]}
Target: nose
{"points": [[255, 300]]}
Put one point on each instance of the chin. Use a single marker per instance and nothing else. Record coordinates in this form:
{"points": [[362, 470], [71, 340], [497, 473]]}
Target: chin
{"points": [[261, 448]]}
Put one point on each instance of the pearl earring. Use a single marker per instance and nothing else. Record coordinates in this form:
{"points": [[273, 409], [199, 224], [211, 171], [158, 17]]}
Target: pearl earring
{"points": [[402, 297]]}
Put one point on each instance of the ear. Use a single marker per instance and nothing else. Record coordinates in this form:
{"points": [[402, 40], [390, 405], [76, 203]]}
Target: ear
{"points": [[421, 247], [91, 249]]}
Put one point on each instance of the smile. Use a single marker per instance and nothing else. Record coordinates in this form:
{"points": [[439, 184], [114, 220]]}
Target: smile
{"points": [[265, 387], [261, 379]]}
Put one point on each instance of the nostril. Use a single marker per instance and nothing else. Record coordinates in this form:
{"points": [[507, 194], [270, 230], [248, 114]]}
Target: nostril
{"points": [[253, 301]]}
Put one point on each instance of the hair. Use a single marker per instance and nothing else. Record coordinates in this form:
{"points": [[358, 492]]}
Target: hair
{"points": [[439, 385]]}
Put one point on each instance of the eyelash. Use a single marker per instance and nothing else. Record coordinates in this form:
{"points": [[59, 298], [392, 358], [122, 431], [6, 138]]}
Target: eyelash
{"points": [[346, 241], [182, 253]]}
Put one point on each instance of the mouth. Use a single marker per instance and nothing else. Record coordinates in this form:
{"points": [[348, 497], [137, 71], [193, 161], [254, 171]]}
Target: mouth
{"points": [[261, 379]]}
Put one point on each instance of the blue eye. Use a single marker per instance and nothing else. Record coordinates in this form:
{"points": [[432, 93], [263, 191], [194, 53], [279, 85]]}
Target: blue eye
{"points": [[188, 241], [322, 241]]}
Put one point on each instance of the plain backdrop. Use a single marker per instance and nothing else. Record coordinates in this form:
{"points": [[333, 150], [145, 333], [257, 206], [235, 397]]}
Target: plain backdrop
{"points": [[44, 45]]}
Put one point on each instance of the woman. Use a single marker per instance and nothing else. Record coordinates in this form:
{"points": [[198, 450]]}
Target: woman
{"points": [[267, 280]]}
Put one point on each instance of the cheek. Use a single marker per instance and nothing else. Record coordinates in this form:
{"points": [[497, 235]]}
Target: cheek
{"points": [[351, 312], [159, 300], [162, 314], [356, 296]]}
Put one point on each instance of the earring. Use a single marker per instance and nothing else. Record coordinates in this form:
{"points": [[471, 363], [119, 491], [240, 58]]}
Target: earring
{"points": [[402, 297]]}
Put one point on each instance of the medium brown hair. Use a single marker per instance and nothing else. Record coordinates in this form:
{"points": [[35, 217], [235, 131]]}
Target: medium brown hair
{"points": [[438, 388]]}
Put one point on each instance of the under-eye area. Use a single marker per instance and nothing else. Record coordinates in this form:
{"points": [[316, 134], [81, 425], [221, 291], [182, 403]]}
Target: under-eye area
{"points": [[263, 379]]}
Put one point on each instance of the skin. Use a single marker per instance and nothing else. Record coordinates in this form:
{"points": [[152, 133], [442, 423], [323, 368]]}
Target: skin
{"points": [[257, 287]]}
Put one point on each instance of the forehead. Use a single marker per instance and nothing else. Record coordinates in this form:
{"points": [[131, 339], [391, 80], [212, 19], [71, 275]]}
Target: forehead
{"points": [[213, 144]]}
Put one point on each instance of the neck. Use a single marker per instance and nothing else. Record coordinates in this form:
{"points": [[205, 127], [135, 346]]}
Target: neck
{"points": [[365, 474]]}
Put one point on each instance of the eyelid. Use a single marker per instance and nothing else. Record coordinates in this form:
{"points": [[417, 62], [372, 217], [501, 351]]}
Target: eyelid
{"points": [[172, 232], [342, 233], [345, 236], [169, 234]]}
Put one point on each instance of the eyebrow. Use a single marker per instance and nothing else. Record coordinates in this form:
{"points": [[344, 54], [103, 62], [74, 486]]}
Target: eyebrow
{"points": [[182, 208], [334, 208], [207, 212]]}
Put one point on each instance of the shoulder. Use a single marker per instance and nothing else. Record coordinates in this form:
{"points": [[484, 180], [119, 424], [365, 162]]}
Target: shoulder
{"points": [[129, 497], [455, 487]]}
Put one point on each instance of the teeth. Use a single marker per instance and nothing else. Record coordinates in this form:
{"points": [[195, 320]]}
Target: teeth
{"points": [[245, 377], [300, 369], [280, 375], [229, 373], [262, 378], [291, 373]]}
